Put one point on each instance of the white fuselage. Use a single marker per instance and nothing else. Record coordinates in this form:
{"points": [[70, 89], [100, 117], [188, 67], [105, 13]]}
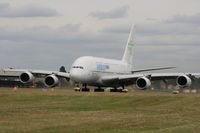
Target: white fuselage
{"points": [[89, 70]]}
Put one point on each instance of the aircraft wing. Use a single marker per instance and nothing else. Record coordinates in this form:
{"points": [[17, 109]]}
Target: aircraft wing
{"points": [[51, 78], [46, 73], [37, 73], [130, 79], [152, 69]]}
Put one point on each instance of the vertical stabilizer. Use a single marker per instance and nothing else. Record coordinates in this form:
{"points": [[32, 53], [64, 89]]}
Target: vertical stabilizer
{"points": [[128, 54]]}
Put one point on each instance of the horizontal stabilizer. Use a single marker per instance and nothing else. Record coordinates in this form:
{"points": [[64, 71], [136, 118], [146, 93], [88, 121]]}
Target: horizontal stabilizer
{"points": [[153, 69]]}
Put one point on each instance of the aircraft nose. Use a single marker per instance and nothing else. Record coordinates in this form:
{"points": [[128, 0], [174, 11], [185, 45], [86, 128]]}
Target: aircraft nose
{"points": [[79, 75], [74, 74]]}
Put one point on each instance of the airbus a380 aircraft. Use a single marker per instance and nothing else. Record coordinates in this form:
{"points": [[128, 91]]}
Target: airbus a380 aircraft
{"points": [[102, 72]]}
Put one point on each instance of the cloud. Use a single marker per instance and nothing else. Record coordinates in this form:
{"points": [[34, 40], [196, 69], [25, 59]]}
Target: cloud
{"points": [[120, 12], [157, 43], [52, 47], [173, 40], [71, 28], [4, 6], [162, 28], [180, 26], [26, 11], [164, 43], [67, 34], [189, 19], [123, 29]]}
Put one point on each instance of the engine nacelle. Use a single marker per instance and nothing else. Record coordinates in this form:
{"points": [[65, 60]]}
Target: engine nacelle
{"points": [[26, 77], [184, 81], [143, 83], [51, 81]]}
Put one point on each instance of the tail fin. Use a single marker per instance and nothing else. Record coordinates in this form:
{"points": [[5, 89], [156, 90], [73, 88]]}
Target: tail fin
{"points": [[128, 54]]}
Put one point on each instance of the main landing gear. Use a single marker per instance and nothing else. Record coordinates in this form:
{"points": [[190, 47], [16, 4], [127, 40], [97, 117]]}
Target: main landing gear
{"points": [[119, 89], [85, 89], [99, 89]]}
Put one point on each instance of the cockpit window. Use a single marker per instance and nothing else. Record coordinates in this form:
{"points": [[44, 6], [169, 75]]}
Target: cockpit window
{"points": [[80, 67]]}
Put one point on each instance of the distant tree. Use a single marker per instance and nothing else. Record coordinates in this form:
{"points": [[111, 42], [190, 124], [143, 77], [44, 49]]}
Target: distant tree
{"points": [[62, 69]]}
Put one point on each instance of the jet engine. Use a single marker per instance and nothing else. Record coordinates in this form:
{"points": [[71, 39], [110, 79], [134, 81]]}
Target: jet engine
{"points": [[184, 81], [143, 83], [51, 81], [26, 77]]}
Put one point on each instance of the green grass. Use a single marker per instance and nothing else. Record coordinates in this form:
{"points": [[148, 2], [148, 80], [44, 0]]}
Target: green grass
{"points": [[37, 111]]}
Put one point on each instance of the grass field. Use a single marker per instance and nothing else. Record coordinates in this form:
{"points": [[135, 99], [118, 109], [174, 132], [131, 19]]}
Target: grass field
{"points": [[62, 111]]}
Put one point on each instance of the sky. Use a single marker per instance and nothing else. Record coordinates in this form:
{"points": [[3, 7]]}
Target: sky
{"points": [[47, 34]]}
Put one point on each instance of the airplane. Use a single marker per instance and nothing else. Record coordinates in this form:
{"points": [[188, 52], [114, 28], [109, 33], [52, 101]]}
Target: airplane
{"points": [[103, 72]]}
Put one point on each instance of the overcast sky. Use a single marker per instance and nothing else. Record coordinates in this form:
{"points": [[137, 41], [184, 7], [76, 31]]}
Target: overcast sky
{"points": [[45, 34]]}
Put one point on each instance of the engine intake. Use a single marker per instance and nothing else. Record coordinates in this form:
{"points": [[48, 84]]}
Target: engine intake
{"points": [[184, 81], [143, 83], [51, 81], [26, 77]]}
